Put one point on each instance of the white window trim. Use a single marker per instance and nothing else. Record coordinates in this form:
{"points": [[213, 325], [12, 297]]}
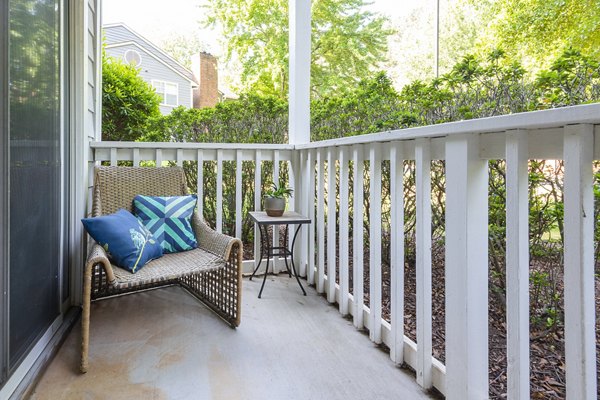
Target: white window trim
{"points": [[155, 81]]}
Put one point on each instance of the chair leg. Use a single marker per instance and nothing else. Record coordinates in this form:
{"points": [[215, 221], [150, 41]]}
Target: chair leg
{"points": [[85, 318]]}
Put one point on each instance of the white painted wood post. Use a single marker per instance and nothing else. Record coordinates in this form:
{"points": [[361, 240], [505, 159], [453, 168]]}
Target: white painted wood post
{"points": [[358, 235], [159, 158], [320, 222], [238, 194], [257, 197], [136, 157], [580, 341], [301, 191], [310, 276], [331, 221], [466, 270], [397, 252], [344, 233], [179, 157], [219, 226], [299, 67], [276, 160], [200, 183], [517, 264], [423, 261], [375, 242]]}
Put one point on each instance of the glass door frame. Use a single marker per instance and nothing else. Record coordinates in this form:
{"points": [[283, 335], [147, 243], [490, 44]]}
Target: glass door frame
{"points": [[4, 171]]}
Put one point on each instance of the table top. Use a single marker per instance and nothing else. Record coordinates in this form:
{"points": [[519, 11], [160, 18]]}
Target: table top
{"points": [[288, 217]]}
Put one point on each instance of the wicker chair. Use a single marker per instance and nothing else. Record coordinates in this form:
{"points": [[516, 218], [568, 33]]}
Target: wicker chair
{"points": [[212, 272]]}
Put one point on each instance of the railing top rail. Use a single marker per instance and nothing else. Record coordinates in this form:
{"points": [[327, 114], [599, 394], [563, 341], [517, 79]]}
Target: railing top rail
{"points": [[189, 145], [582, 114]]}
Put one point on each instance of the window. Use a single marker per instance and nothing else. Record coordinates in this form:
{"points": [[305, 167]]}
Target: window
{"points": [[168, 92]]}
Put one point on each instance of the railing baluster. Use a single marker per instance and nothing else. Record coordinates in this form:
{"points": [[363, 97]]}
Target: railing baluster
{"points": [[238, 194], [331, 215], [375, 243], [397, 252], [344, 235], [466, 270], [257, 198], [179, 157], [136, 157], [200, 183], [219, 204], [358, 235], [310, 276], [276, 160], [423, 265], [580, 341], [113, 157], [158, 157], [517, 264], [321, 221]]}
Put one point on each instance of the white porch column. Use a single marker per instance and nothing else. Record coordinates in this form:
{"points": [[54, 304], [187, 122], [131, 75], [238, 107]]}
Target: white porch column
{"points": [[299, 96], [466, 270], [580, 349]]}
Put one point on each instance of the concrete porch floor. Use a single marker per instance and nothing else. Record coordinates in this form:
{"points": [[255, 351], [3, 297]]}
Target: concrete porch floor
{"points": [[164, 344]]}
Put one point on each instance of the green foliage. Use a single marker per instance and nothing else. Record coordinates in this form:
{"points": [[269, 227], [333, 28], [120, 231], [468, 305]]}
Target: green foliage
{"points": [[279, 192], [129, 104], [537, 31], [347, 41]]}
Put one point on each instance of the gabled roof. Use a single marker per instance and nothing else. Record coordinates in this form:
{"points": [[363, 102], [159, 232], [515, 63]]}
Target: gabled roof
{"points": [[150, 48]]}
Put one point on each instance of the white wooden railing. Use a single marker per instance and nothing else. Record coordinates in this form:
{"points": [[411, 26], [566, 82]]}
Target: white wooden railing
{"points": [[571, 134]]}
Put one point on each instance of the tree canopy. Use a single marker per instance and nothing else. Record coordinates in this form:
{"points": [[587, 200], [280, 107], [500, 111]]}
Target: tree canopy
{"points": [[347, 42], [538, 31]]}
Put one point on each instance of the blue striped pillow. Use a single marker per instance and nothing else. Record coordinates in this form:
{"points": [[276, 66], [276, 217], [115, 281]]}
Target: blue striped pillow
{"points": [[169, 220]]}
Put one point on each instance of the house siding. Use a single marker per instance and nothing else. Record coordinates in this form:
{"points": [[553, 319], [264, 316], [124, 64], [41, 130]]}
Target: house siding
{"points": [[155, 65], [152, 69]]}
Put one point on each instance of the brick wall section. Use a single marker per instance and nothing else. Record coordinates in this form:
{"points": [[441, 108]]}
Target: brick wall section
{"points": [[205, 69]]}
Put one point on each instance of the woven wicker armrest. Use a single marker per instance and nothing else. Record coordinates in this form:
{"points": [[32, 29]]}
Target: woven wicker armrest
{"points": [[98, 256], [212, 241]]}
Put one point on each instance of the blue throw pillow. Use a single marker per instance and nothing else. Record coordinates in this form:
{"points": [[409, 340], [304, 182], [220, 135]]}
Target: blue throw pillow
{"points": [[169, 220], [126, 240]]}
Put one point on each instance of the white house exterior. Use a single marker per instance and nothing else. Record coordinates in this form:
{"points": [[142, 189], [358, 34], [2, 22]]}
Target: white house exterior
{"points": [[172, 81]]}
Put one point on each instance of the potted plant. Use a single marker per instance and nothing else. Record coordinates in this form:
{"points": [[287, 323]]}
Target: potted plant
{"points": [[275, 199]]}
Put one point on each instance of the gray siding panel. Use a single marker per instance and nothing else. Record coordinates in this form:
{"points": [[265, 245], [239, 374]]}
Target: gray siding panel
{"points": [[151, 68]]}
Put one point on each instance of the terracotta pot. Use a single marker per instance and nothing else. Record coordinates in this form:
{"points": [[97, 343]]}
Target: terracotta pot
{"points": [[274, 207]]}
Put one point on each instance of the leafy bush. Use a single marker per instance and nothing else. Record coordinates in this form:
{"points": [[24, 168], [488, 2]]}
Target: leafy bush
{"points": [[129, 104]]}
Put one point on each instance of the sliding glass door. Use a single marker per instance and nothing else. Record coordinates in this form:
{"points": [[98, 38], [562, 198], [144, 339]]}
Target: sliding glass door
{"points": [[36, 184]]}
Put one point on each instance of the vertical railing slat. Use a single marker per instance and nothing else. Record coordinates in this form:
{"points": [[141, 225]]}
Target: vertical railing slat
{"points": [[344, 232], [375, 242], [357, 235], [310, 276], [276, 161], [580, 320], [466, 270], [219, 226], [257, 198], [331, 221], [179, 157], [320, 222], [517, 265], [200, 183], [136, 157], [397, 252], [423, 266], [238, 194], [113, 157], [158, 157]]}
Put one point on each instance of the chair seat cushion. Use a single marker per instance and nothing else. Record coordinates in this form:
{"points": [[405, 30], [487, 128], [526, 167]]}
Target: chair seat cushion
{"points": [[126, 241], [168, 268], [169, 220]]}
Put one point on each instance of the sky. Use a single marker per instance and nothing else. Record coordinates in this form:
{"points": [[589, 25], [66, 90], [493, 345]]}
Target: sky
{"points": [[157, 19]]}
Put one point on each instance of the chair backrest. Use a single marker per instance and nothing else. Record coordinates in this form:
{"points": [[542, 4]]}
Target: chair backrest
{"points": [[115, 187]]}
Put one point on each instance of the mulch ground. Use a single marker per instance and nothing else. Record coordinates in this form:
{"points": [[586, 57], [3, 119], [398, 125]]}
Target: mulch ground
{"points": [[547, 354]]}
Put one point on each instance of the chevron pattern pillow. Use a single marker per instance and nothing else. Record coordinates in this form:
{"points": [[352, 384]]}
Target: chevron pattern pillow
{"points": [[169, 220]]}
